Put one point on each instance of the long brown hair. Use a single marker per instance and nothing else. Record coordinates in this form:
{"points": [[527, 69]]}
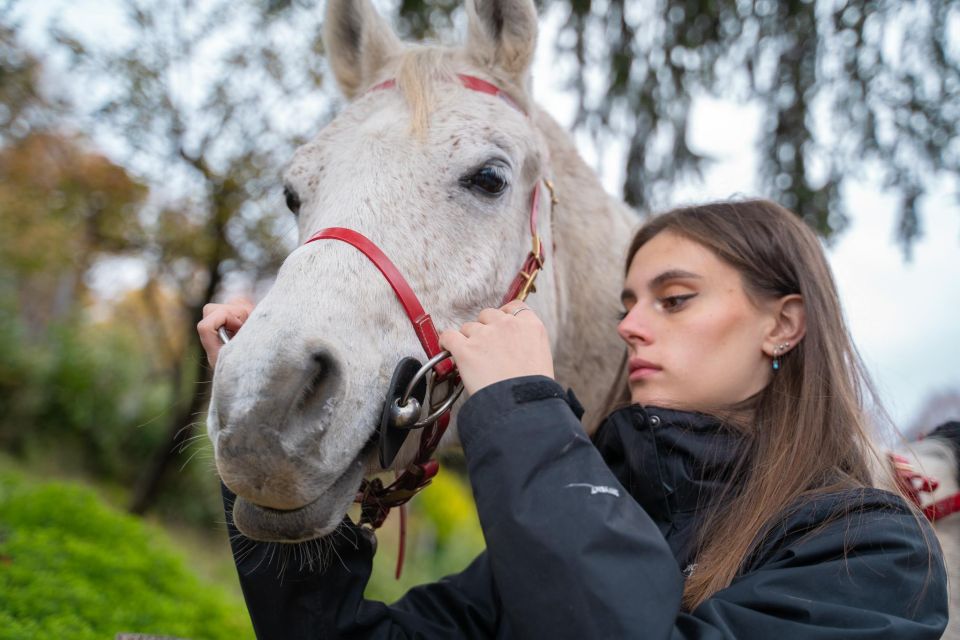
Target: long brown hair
{"points": [[807, 433]]}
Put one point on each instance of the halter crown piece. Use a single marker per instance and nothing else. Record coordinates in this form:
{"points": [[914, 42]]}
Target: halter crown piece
{"points": [[375, 499]]}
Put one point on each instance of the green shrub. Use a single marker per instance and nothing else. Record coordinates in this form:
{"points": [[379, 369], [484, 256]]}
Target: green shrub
{"points": [[443, 537], [72, 568], [83, 388]]}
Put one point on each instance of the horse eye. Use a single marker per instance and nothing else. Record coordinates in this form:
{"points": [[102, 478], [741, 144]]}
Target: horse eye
{"points": [[293, 200], [489, 180]]}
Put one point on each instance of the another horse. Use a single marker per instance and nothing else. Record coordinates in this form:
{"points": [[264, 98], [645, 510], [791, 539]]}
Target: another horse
{"points": [[440, 177], [936, 457]]}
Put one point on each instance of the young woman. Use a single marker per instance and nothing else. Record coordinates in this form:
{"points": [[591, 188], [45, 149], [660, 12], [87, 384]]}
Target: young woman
{"points": [[730, 492]]}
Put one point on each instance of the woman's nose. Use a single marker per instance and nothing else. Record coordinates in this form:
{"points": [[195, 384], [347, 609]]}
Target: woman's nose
{"points": [[634, 328]]}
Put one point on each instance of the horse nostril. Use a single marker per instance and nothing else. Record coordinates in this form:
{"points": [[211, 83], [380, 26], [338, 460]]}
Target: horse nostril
{"points": [[324, 363], [321, 380]]}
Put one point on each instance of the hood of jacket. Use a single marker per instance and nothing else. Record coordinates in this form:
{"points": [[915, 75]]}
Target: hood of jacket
{"points": [[673, 463]]}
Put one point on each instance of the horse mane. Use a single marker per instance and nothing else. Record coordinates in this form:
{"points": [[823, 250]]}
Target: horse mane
{"points": [[420, 68]]}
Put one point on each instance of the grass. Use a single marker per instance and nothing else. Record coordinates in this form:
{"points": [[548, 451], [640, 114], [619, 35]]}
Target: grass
{"points": [[74, 565], [73, 568]]}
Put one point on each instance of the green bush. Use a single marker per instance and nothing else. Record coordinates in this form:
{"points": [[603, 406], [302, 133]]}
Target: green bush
{"points": [[72, 568], [443, 537], [81, 388]]}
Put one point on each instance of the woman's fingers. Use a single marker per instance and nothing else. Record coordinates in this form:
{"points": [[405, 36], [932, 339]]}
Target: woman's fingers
{"points": [[231, 316], [499, 345], [453, 342], [489, 316], [207, 328], [470, 328], [243, 304]]}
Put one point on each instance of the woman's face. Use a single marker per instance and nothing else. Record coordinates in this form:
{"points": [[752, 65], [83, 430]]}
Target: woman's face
{"points": [[695, 340]]}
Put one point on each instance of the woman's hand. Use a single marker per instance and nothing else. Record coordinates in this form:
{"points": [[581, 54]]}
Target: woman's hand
{"points": [[503, 343], [231, 315]]}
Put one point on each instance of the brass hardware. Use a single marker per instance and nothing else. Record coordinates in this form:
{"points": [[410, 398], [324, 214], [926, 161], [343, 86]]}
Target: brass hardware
{"points": [[528, 286], [536, 249], [554, 200]]}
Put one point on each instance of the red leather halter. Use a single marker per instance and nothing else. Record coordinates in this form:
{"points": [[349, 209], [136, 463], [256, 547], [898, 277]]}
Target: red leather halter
{"points": [[914, 483], [375, 499]]}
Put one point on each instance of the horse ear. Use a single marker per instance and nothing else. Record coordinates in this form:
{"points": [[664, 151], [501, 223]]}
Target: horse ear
{"points": [[359, 43], [503, 35]]}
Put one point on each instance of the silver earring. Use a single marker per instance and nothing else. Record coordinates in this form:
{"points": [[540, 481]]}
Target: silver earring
{"points": [[780, 348]]}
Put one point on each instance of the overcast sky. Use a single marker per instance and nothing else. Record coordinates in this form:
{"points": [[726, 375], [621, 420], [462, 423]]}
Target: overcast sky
{"points": [[905, 317]]}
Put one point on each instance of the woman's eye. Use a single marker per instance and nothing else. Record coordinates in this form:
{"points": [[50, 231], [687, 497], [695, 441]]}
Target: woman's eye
{"points": [[293, 200], [490, 180], [673, 303]]}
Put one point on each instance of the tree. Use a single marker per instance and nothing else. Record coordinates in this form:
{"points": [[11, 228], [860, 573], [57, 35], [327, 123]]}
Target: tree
{"points": [[209, 100], [22, 106], [842, 86], [64, 207], [68, 382]]}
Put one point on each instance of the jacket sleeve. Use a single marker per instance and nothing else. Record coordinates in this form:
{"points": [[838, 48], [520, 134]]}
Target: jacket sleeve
{"points": [[574, 556], [290, 599]]}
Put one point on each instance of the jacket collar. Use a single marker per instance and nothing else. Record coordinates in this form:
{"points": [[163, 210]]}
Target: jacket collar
{"points": [[671, 462]]}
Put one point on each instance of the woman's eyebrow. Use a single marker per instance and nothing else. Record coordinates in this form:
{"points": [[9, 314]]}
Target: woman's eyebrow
{"points": [[672, 274], [666, 276]]}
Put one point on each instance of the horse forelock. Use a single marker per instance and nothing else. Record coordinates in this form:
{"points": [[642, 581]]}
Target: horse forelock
{"points": [[420, 68]]}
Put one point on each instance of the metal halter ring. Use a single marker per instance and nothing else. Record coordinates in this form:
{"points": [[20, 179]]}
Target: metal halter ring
{"points": [[405, 399]]}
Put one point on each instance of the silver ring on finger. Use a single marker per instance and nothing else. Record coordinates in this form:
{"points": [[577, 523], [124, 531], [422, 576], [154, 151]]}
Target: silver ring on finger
{"points": [[521, 309]]}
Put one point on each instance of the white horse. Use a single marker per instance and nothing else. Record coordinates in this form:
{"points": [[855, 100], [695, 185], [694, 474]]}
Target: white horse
{"points": [[440, 178]]}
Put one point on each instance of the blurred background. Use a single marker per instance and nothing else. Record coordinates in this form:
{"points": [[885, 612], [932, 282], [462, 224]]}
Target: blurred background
{"points": [[141, 145]]}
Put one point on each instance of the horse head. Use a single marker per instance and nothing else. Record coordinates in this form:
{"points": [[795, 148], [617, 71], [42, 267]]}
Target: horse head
{"points": [[440, 178]]}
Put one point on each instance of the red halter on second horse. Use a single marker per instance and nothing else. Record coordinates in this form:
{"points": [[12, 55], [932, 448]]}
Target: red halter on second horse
{"points": [[914, 483], [375, 499]]}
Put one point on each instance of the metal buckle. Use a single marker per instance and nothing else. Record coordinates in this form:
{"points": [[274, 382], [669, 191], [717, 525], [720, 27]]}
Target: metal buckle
{"points": [[406, 409], [554, 200], [531, 277], [528, 286]]}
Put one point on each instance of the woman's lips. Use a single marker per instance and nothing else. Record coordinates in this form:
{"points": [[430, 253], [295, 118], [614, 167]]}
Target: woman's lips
{"points": [[641, 369]]}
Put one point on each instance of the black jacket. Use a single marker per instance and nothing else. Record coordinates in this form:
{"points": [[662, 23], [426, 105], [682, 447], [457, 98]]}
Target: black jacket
{"points": [[591, 540]]}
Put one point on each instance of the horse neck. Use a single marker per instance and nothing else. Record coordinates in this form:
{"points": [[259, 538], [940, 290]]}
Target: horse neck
{"points": [[591, 232]]}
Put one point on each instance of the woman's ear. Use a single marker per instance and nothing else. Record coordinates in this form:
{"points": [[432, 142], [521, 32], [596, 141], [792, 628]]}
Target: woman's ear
{"points": [[790, 325], [359, 43]]}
